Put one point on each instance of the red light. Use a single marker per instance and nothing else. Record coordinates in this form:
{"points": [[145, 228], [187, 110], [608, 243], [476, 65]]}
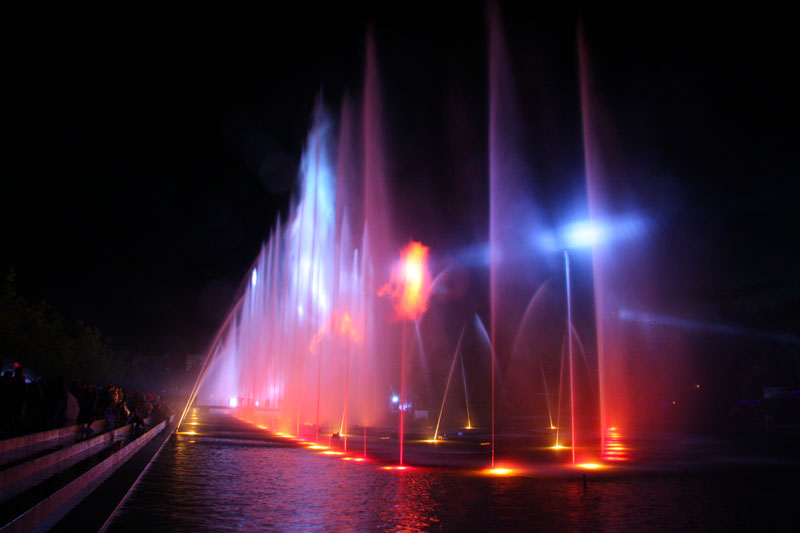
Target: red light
{"points": [[614, 449]]}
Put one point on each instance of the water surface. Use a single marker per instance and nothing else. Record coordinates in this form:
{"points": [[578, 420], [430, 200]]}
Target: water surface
{"points": [[236, 480]]}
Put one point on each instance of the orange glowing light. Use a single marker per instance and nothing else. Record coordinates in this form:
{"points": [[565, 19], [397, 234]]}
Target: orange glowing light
{"points": [[553, 427], [614, 448], [499, 471], [557, 446], [347, 329], [317, 447], [359, 459], [342, 324], [316, 339], [589, 466], [410, 285], [331, 452]]}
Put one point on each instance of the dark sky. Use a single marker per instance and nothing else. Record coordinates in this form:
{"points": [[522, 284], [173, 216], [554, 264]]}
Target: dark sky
{"points": [[146, 157]]}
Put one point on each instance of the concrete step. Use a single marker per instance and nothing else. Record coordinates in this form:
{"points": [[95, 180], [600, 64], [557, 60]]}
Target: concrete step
{"points": [[18, 448], [44, 503]]}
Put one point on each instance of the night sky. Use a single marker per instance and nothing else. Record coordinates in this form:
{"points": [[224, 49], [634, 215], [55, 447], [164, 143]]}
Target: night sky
{"points": [[146, 157]]}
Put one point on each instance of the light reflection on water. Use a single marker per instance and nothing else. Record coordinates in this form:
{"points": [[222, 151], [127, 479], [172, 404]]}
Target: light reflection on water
{"points": [[207, 484]]}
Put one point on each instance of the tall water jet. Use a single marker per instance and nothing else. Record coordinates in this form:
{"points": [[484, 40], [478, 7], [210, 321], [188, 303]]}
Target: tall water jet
{"points": [[513, 217], [621, 265], [573, 437], [409, 290], [287, 342]]}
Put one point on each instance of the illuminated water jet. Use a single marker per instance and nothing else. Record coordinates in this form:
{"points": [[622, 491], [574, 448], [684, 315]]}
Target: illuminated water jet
{"points": [[409, 290], [309, 345], [456, 354]]}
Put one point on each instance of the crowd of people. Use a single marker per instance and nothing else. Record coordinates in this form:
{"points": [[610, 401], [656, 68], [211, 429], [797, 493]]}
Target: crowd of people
{"points": [[30, 406]]}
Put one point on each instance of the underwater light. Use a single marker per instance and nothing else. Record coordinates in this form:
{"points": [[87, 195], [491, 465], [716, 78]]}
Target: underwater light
{"points": [[499, 471]]}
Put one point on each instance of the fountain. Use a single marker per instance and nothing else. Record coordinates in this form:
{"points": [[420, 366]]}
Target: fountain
{"points": [[301, 338], [312, 339]]}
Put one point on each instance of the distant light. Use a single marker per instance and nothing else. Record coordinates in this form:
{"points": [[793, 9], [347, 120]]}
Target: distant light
{"points": [[697, 386], [592, 232], [584, 234], [395, 399], [233, 402], [254, 277], [257, 404]]}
